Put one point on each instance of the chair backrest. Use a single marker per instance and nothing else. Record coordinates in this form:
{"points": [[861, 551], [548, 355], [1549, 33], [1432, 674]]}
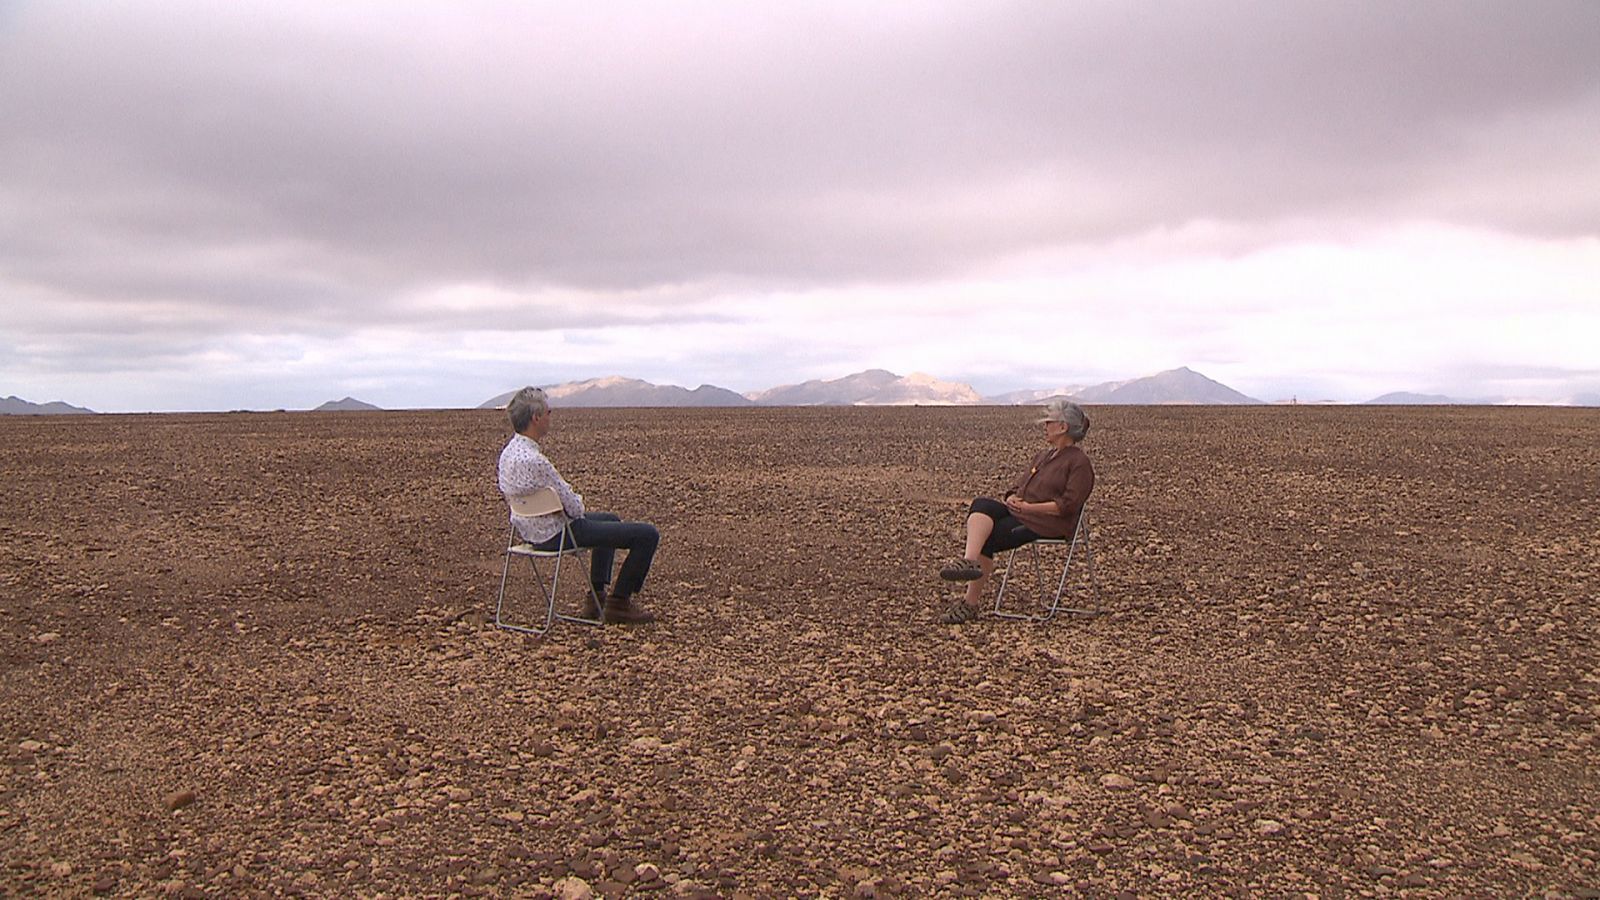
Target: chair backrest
{"points": [[542, 502]]}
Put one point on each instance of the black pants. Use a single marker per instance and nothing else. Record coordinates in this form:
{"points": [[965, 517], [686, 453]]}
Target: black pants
{"points": [[1009, 532], [606, 534]]}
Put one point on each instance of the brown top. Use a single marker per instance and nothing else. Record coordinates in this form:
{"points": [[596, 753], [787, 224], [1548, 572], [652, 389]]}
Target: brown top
{"points": [[1065, 477]]}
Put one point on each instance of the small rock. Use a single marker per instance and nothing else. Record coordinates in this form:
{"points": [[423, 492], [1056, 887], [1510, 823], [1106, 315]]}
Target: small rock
{"points": [[61, 869], [866, 890], [31, 746], [1116, 782], [574, 888], [1269, 827], [178, 800], [645, 745], [646, 872], [49, 637]]}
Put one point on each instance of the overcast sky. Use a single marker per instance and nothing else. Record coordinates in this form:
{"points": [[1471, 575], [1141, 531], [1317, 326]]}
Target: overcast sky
{"points": [[261, 205]]}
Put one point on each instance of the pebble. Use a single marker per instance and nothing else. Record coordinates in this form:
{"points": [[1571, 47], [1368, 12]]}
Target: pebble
{"points": [[178, 800], [574, 888], [1116, 782], [1269, 827]]}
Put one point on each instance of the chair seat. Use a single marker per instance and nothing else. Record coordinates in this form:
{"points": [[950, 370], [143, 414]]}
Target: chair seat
{"points": [[533, 550]]}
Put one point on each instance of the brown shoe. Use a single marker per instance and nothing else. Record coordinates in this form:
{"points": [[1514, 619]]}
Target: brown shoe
{"points": [[591, 609], [623, 611]]}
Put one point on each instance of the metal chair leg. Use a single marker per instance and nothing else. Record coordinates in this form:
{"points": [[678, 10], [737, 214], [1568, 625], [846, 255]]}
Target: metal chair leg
{"points": [[1080, 534], [499, 605]]}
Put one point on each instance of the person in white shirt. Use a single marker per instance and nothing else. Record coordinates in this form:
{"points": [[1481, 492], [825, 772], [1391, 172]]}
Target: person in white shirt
{"points": [[524, 469]]}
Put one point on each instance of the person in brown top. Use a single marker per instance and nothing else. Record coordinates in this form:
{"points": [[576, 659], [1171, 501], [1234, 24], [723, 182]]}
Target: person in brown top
{"points": [[1044, 502]]}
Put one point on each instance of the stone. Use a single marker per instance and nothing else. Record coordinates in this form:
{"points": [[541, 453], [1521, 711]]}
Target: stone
{"points": [[178, 800], [573, 888], [1116, 782], [1269, 827]]}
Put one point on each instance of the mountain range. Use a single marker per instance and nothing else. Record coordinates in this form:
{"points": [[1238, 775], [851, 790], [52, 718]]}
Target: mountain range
{"points": [[873, 387], [16, 406], [878, 387]]}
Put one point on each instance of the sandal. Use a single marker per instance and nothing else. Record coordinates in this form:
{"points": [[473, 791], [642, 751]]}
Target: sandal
{"points": [[959, 613], [961, 570]]}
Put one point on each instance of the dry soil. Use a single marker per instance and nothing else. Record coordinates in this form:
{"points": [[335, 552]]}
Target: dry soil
{"points": [[1340, 652]]}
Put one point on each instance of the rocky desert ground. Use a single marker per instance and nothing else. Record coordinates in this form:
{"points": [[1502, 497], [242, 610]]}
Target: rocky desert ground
{"points": [[1340, 652]]}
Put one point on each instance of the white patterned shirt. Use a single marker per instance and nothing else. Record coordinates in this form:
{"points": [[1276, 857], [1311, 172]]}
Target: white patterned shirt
{"points": [[523, 470]]}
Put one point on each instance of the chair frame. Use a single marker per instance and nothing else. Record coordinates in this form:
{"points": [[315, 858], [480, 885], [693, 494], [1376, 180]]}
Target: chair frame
{"points": [[1080, 535], [544, 501]]}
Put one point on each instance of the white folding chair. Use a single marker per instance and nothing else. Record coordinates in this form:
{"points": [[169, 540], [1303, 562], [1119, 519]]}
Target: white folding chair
{"points": [[1050, 604], [540, 503]]}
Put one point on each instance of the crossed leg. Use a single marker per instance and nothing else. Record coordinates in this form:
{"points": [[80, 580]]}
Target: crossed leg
{"points": [[979, 527]]}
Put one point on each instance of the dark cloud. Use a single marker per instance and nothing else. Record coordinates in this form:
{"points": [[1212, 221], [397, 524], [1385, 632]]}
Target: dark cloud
{"points": [[807, 142]]}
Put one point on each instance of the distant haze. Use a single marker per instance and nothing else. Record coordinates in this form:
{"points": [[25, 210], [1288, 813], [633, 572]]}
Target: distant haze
{"points": [[267, 205]]}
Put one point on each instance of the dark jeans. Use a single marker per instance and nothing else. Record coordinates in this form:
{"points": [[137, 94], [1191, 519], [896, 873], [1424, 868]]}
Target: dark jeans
{"points": [[606, 533], [1009, 532]]}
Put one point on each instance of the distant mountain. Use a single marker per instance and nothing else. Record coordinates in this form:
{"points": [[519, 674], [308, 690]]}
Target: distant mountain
{"points": [[616, 391], [879, 387], [1174, 386], [16, 406], [1407, 398], [874, 387], [348, 404], [1025, 398]]}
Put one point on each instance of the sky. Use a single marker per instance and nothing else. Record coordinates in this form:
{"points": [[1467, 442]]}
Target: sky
{"points": [[253, 205]]}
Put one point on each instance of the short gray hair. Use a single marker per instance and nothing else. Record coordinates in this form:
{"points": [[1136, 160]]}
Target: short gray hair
{"points": [[526, 405], [1069, 414]]}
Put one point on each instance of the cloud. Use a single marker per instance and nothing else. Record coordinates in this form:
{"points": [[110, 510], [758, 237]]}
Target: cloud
{"points": [[196, 173]]}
